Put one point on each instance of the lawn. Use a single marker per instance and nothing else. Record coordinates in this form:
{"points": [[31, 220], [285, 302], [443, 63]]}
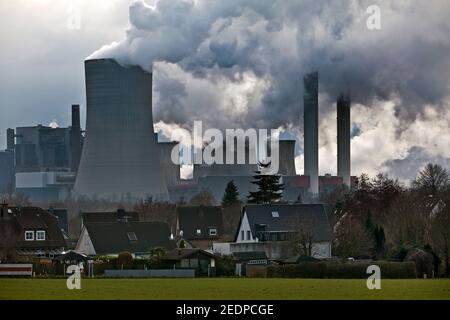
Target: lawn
{"points": [[222, 288]]}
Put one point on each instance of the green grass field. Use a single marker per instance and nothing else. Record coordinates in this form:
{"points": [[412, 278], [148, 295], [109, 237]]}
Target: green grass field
{"points": [[221, 288]]}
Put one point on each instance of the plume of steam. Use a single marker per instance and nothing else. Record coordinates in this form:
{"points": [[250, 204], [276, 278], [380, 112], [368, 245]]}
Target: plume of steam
{"points": [[204, 52]]}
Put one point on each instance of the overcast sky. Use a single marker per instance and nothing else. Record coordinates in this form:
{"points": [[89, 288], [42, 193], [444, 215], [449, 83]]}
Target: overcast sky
{"points": [[243, 60]]}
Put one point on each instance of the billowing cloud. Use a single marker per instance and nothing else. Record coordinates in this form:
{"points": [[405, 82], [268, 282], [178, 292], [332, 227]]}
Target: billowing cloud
{"points": [[239, 63]]}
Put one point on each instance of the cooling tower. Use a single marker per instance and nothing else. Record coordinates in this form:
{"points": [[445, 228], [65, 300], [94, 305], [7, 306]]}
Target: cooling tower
{"points": [[343, 138], [120, 157], [171, 170], [311, 129], [287, 157]]}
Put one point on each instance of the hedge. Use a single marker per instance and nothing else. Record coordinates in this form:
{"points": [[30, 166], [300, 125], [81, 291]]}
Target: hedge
{"points": [[349, 270]]}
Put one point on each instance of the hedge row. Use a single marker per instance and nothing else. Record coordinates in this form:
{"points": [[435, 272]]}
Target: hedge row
{"points": [[318, 270]]}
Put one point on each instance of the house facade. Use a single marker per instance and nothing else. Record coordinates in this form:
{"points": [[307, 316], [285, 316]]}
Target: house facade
{"points": [[282, 231], [199, 226], [112, 238], [29, 232]]}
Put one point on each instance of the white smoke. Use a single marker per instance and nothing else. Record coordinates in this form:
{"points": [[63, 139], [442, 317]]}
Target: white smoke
{"points": [[239, 63]]}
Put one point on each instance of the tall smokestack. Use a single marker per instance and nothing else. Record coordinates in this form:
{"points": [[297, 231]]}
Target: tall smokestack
{"points": [[10, 139], [120, 157], [287, 157], [75, 138], [311, 129], [343, 138], [170, 170]]}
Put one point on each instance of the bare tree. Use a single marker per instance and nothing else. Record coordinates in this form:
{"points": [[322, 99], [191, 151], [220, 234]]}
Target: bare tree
{"points": [[203, 198], [432, 180]]}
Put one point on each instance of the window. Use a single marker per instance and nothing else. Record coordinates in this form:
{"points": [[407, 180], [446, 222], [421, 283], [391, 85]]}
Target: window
{"points": [[29, 236], [199, 232], [275, 214], [248, 234], [40, 235], [213, 231], [242, 235], [132, 236]]}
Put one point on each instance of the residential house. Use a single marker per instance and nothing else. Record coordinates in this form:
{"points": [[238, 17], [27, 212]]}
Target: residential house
{"points": [[282, 231], [114, 216], [202, 261], [199, 226], [28, 232], [112, 238]]}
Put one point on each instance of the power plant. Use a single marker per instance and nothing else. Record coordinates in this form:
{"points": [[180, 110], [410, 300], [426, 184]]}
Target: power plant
{"points": [[171, 170], [120, 157], [287, 157]]}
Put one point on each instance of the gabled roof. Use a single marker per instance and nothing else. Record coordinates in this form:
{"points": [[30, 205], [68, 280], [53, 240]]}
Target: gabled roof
{"points": [[119, 215], [199, 217], [116, 237], [18, 220], [290, 218]]}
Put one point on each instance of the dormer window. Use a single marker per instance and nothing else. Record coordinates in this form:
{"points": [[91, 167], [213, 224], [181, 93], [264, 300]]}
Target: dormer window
{"points": [[29, 235], [132, 236], [213, 231], [275, 214], [199, 232], [40, 235]]}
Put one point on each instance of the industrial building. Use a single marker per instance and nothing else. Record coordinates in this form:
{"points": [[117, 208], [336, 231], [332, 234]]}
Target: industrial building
{"points": [[46, 159], [120, 158], [7, 180], [214, 178]]}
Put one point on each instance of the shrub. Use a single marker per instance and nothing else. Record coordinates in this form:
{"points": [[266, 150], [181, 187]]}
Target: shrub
{"points": [[225, 266], [125, 260], [348, 270]]}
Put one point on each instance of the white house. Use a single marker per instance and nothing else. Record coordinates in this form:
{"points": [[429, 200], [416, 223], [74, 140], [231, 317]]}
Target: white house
{"points": [[276, 228]]}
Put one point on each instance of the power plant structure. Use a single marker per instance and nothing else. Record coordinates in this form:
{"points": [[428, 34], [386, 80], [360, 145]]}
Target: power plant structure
{"points": [[343, 139], [120, 158], [311, 129], [286, 157], [45, 158], [170, 169], [75, 138]]}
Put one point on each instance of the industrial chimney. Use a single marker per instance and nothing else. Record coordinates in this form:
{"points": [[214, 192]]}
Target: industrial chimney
{"points": [[287, 157], [311, 129], [75, 138], [120, 155], [10, 139], [343, 138]]}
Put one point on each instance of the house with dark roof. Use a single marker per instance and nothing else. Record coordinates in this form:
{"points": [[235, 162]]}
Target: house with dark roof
{"points": [[29, 231], [200, 226], [112, 238], [281, 230], [111, 216]]}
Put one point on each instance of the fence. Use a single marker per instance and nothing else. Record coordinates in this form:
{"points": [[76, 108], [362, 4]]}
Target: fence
{"points": [[161, 273], [16, 269]]}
